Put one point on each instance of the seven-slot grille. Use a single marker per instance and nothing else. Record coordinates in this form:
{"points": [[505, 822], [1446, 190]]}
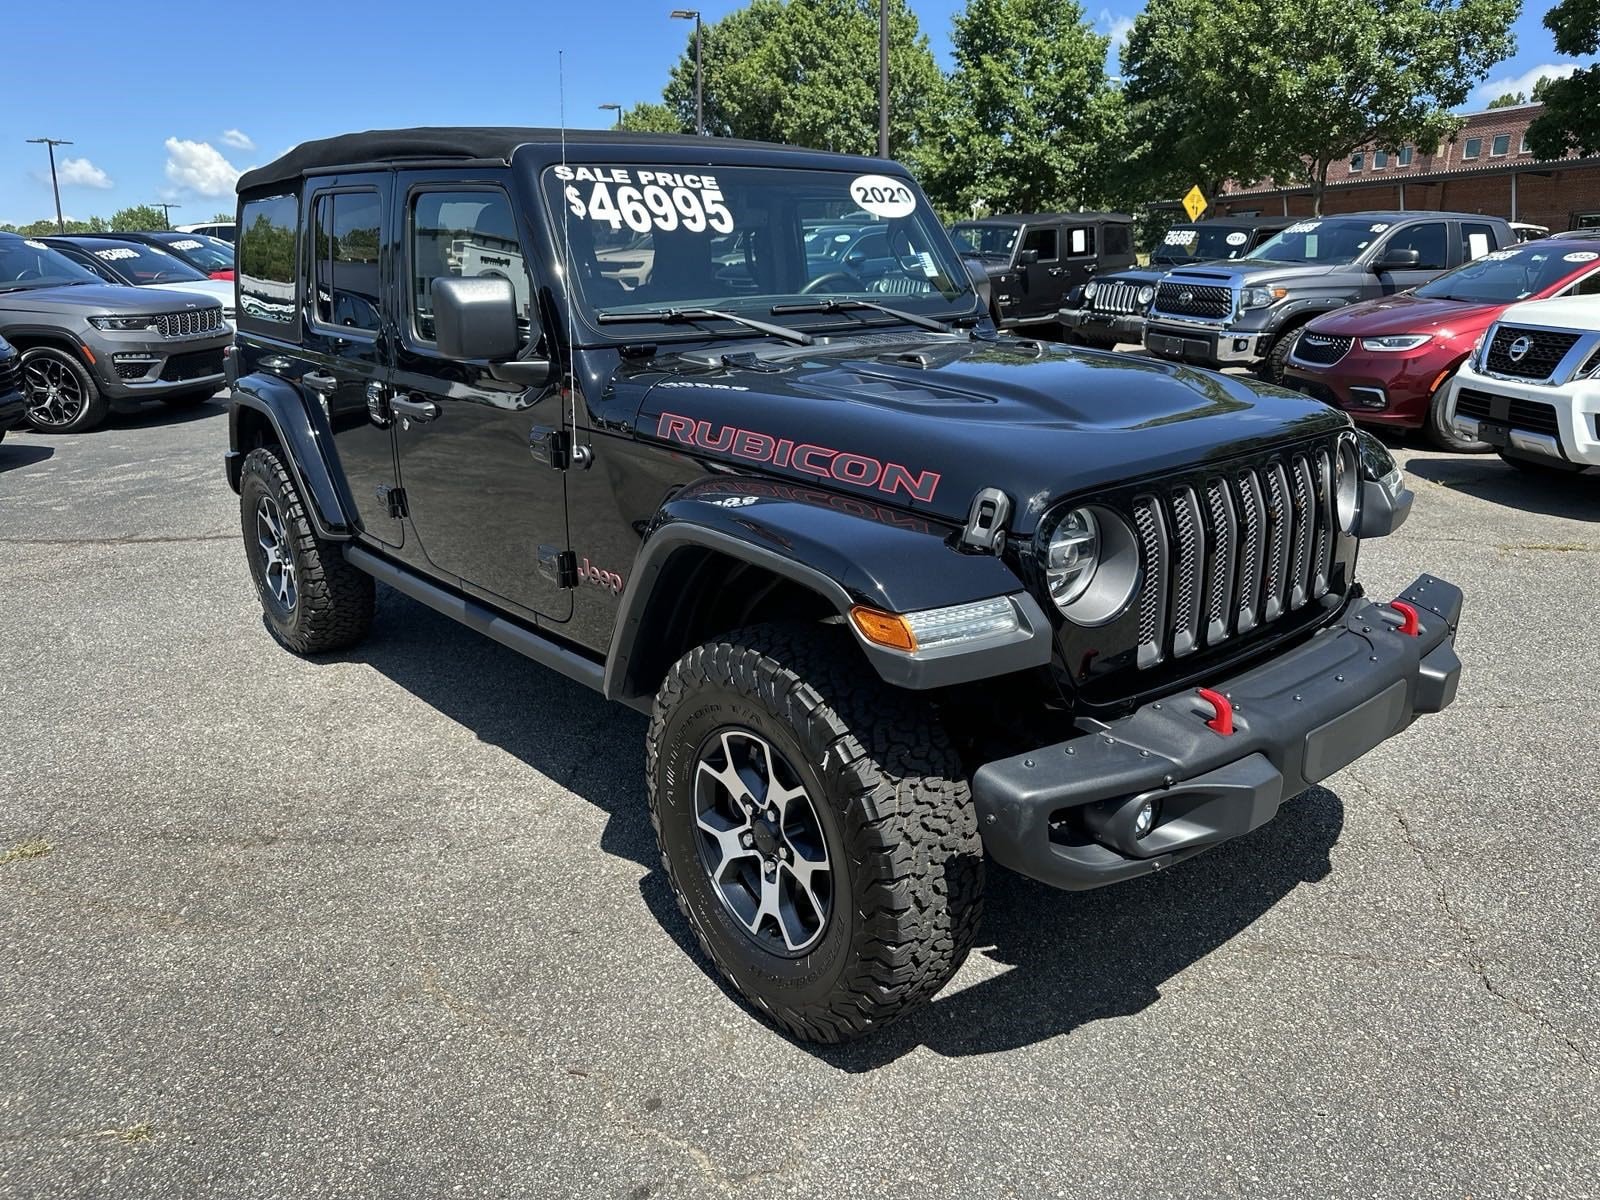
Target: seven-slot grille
{"points": [[1235, 550], [1322, 349], [1116, 298], [1538, 359], [1194, 300], [1531, 415], [189, 323]]}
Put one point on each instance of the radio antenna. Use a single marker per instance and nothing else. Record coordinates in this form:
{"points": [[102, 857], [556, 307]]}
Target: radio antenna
{"points": [[566, 251]]}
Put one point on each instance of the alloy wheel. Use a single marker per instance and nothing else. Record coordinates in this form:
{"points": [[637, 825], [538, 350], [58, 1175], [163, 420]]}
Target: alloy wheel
{"points": [[277, 567], [761, 842], [55, 393]]}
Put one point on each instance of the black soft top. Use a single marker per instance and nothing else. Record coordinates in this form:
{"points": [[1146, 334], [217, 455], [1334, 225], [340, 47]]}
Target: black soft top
{"points": [[486, 143], [1038, 218]]}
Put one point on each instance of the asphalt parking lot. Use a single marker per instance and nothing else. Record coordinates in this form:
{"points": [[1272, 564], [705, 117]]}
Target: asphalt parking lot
{"points": [[393, 923]]}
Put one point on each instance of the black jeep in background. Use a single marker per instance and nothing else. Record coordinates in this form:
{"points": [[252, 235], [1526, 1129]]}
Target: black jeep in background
{"points": [[900, 595], [1250, 311], [1110, 308], [1035, 259]]}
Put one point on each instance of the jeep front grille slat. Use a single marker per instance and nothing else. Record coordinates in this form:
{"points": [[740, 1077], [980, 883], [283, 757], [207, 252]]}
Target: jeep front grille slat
{"points": [[1223, 555], [1116, 299], [190, 322]]}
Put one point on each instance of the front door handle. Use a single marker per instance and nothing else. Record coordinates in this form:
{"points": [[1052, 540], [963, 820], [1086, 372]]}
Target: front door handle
{"points": [[415, 410], [319, 381]]}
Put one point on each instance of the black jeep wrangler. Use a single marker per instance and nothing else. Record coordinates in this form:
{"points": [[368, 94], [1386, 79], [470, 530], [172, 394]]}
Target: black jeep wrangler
{"points": [[1035, 260], [899, 595]]}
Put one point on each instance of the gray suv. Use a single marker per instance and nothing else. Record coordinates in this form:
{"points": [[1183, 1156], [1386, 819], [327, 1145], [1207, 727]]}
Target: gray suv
{"points": [[1246, 312], [88, 348]]}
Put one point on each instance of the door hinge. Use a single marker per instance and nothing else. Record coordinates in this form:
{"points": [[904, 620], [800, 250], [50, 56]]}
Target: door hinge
{"points": [[394, 499], [559, 566], [551, 446]]}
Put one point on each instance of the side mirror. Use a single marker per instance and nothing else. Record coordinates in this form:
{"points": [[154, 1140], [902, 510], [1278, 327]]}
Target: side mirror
{"points": [[476, 318], [1027, 258], [1398, 260], [855, 258]]}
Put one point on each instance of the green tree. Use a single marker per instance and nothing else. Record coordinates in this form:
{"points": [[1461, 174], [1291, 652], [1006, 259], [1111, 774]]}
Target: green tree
{"points": [[1030, 110], [805, 72], [139, 217], [1199, 104], [652, 118], [1571, 117], [1542, 86], [1507, 99]]}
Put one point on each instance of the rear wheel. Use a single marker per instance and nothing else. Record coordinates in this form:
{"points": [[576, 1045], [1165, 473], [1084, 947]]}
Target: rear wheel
{"points": [[62, 395], [312, 599], [816, 829], [1437, 425]]}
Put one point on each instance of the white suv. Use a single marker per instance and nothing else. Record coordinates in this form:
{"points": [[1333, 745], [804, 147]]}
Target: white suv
{"points": [[1531, 388]]}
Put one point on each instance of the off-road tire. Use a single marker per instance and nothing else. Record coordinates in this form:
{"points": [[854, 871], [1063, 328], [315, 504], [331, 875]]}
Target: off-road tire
{"points": [[334, 601], [1438, 429], [1277, 358], [896, 809], [95, 405]]}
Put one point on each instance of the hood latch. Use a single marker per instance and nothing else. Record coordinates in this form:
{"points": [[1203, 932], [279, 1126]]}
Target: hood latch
{"points": [[985, 531]]}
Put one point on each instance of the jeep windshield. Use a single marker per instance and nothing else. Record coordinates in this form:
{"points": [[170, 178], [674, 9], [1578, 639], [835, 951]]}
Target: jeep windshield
{"points": [[1506, 276], [1200, 243], [652, 239], [26, 264], [1332, 242], [984, 239]]}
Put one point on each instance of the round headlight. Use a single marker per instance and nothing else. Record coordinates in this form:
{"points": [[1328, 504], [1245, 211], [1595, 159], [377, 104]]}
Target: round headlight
{"points": [[1090, 562], [1146, 294], [1347, 486], [1089, 289]]}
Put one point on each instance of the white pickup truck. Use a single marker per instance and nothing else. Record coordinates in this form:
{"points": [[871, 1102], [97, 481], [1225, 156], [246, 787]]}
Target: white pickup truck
{"points": [[1531, 389]]}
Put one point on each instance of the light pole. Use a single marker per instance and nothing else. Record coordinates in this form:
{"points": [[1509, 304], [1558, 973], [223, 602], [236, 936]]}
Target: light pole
{"points": [[166, 211], [883, 78], [685, 14], [616, 108], [52, 143]]}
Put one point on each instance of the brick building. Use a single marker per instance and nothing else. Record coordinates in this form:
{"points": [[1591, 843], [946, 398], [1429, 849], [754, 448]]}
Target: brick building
{"points": [[1485, 168]]}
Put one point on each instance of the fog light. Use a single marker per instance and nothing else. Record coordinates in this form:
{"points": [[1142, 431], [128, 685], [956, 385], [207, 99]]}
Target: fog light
{"points": [[1145, 820]]}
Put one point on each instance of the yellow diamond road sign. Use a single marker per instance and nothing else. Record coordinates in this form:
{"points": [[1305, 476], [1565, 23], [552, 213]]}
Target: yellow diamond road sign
{"points": [[1194, 203]]}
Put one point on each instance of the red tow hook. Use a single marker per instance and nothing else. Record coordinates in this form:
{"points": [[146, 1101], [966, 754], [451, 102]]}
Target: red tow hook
{"points": [[1222, 722], [1410, 624]]}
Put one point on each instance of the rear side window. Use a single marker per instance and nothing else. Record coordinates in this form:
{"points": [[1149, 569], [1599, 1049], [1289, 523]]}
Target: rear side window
{"points": [[470, 233], [266, 260], [1476, 240], [347, 274], [1080, 241], [1118, 239]]}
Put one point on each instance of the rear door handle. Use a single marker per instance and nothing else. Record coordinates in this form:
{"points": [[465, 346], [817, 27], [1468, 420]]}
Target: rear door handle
{"points": [[415, 410], [318, 381]]}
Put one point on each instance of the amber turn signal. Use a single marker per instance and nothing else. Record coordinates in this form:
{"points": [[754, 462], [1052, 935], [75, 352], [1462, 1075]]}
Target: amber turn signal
{"points": [[883, 629]]}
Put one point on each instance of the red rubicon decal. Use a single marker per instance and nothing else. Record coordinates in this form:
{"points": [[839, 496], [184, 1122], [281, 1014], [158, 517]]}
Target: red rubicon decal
{"points": [[858, 469]]}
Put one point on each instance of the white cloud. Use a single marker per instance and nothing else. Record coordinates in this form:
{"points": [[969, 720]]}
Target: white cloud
{"points": [[200, 167], [1523, 83], [1118, 27], [238, 139], [80, 172]]}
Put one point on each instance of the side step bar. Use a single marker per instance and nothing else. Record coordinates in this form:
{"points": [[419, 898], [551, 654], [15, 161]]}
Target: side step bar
{"points": [[476, 615]]}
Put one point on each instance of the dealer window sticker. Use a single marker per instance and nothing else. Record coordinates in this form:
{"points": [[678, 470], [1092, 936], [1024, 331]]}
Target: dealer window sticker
{"points": [[116, 253], [1578, 256], [1180, 237], [188, 245], [883, 197], [1304, 227], [1238, 239], [646, 198]]}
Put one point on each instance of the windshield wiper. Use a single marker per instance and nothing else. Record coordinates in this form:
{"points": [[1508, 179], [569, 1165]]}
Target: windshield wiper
{"points": [[837, 304], [681, 316]]}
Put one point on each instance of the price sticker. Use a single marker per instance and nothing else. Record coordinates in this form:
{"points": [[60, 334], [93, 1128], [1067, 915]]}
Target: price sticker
{"points": [[646, 199]]}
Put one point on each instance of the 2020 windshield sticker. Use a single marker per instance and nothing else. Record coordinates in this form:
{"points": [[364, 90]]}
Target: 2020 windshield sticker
{"points": [[1238, 239], [882, 196], [646, 199]]}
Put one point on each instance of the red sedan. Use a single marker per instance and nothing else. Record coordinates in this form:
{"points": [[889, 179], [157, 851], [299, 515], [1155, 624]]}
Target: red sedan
{"points": [[1385, 361]]}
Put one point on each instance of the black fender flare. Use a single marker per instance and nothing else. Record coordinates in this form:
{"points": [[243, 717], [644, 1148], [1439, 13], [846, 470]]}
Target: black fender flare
{"points": [[848, 551], [303, 440], [1298, 312]]}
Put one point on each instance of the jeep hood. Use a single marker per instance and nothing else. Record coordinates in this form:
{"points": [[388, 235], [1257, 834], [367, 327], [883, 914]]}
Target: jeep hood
{"points": [[927, 423], [83, 298]]}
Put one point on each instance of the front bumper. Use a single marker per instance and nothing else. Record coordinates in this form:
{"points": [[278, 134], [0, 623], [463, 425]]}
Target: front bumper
{"points": [[1374, 388], [133, 367], [1063, 814], [1106, 328], [1207, 345], [1574, 409], [13, 409]]}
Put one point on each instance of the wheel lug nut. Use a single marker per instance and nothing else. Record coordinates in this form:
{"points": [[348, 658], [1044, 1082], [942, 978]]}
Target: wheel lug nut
{"points": [[747, 839]]}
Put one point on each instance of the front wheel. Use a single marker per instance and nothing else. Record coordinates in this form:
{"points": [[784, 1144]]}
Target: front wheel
{"points": [[816, 830], [1277, 358], [312, 599], [1437, 425], [62, 396]]}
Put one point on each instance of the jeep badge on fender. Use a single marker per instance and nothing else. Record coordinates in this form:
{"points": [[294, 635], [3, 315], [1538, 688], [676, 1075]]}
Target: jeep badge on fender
{"points": [[902, 596]]}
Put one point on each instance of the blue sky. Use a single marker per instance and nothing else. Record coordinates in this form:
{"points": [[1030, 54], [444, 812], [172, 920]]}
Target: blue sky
{"points": [[168, 114]]}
